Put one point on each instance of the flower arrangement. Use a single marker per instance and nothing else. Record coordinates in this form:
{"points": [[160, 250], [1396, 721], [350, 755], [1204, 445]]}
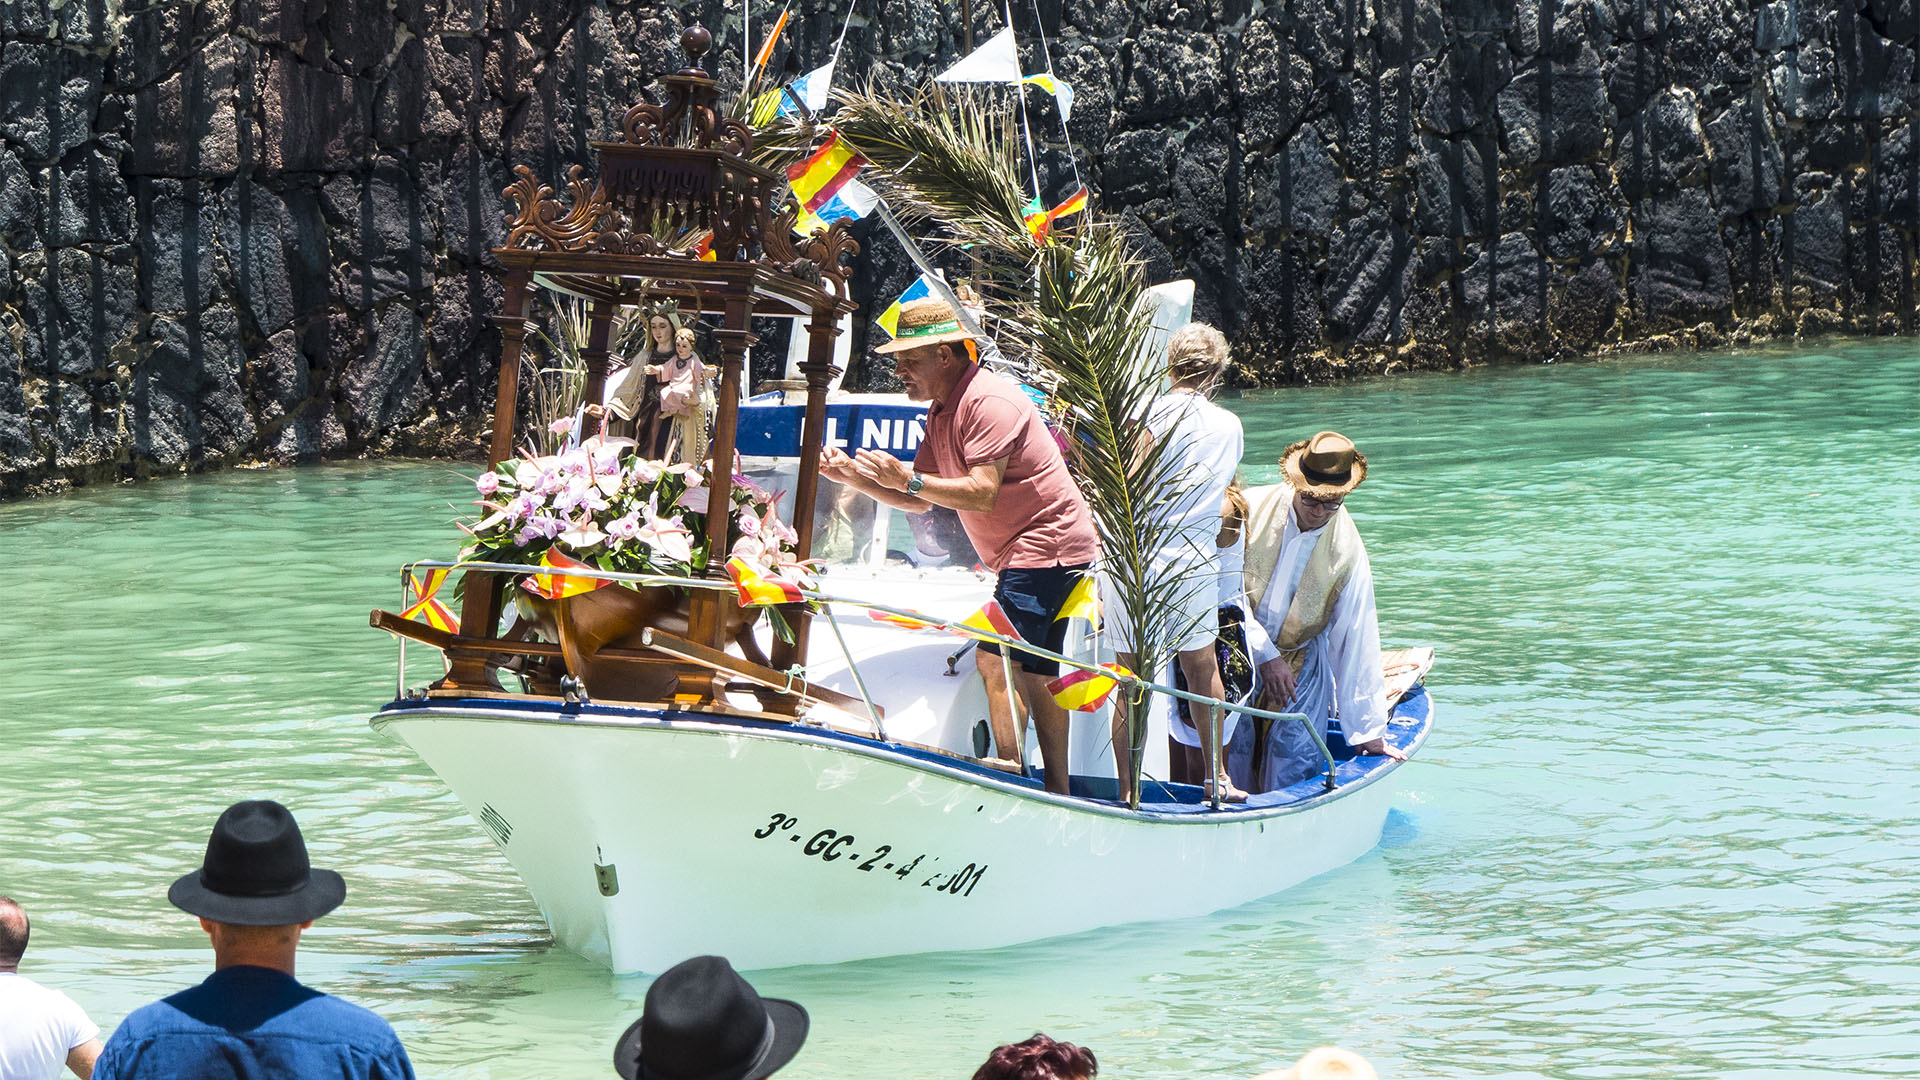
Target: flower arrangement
{"points": [[602, 505]]}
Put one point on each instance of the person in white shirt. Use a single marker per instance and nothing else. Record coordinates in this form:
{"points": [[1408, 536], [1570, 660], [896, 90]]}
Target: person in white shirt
{"points": [[41, 1029], [1203, 447], [1312, 631]]}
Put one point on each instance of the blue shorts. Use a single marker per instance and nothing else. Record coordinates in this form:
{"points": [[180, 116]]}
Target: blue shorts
{"points": [[1031, 597]]}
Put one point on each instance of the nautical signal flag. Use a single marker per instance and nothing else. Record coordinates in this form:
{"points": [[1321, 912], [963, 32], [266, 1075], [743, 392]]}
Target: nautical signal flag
{"points": [[997, 61], [1081, 690], [810, 89], [1039, 221], [425, 607], [889, 319], [821, 175], [1062, 93], [758, 590], [766, 107], [1083, 602], [988, 620], [853, 201], [560, 586]]}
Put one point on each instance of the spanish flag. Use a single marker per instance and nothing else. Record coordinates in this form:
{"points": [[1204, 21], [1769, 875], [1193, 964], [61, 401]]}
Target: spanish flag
{"points": [[758, 590], [824, 172], [557, 586], [988, 620], [425, 607], [1084, 691], [1039, 221]]}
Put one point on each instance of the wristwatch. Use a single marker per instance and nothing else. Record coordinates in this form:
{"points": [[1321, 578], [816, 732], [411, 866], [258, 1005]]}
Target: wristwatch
{"points": [[915, 483]]}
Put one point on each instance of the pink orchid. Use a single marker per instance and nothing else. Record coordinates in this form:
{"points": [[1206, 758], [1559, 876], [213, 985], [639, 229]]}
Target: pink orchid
{"points": [[561, 426], [695, 499], [522, 506], [605, 460], [749, 525], [541, 527], [644, 471], [487, 483], [625, 528]]}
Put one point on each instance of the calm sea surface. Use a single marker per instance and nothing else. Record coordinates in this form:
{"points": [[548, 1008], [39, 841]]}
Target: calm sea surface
{"points": [[1667, 825]]}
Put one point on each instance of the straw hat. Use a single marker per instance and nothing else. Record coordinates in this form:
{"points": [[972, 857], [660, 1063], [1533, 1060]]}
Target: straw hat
{"points": [[1324, 466], [926, 322]]}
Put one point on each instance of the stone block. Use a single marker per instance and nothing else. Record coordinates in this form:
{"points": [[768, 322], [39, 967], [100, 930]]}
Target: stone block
{"points": [[1138, 166], [1171, 75], [377, 233], [1557, 112], [85, 302], [1661, 148], [1581, 215], [1296, 189], [49, 95], [253, 232], [1273, 83], [359, 34], [381, 389], [314, 120], [1747, 163], [1367, 280], [188, 124], [179, 226], [1584, 306], [1506, 292], [277, 379], [1461, 91], [1456, 188], [91, 203], [22, 206], [1678, 270]]}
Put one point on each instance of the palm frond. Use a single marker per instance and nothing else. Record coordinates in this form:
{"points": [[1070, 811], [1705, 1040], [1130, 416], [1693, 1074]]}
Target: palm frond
{"points": [[1070, 311]]}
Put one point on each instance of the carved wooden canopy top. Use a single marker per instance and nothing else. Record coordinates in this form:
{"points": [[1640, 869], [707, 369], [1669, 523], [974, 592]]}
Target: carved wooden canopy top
{"points": [[678, 185]]}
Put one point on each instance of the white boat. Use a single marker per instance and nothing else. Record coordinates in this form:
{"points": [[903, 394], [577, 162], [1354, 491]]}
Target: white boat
{"points": [[647, 836], [831, 798]]}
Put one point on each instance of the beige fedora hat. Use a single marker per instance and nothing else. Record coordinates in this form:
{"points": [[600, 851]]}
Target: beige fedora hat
{"points": [[1324, 466], [926, 322]]}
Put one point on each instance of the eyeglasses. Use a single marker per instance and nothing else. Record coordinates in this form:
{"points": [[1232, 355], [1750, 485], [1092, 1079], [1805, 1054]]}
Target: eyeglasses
{"points": [[1330, 503]]}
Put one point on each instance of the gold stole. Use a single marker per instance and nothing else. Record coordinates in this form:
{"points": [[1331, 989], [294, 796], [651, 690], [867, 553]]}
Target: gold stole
{"points": [[1328, 566]]}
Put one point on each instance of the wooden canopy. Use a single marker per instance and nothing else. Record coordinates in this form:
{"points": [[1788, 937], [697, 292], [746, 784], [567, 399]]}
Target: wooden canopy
{"points": [[674, 210]]}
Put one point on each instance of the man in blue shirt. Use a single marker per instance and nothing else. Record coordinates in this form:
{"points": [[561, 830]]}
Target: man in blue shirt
{"points": [[254, 895]]}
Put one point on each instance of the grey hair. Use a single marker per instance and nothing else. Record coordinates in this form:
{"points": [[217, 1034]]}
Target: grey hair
{"points": [[1198, 351]]}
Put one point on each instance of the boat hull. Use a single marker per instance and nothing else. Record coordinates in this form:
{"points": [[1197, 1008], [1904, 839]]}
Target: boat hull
{"points": [[647, 838]]}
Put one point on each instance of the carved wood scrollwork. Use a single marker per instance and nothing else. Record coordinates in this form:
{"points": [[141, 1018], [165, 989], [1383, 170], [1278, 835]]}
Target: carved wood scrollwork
{"points": [[543, 220], [829, 251]]}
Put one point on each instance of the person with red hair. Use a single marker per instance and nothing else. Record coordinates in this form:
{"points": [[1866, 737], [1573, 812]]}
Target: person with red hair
{"points": [[1039, 1058]]}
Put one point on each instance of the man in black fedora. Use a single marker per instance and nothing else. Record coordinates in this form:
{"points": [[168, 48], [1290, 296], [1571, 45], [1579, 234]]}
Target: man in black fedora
{"points": [[702, 1021], [254, 895]]}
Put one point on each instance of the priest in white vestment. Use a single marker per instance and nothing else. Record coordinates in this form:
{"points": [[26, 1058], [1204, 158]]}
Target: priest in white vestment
{"points": [[1311, 626]]}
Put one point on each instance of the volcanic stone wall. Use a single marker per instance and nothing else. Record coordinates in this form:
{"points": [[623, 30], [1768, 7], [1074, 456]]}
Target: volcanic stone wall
{"points": [[258, 229]]}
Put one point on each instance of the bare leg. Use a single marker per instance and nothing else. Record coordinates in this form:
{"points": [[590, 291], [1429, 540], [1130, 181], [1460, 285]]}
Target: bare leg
{"points": [[1050, 725], [1007, 741], [1202, 670]]}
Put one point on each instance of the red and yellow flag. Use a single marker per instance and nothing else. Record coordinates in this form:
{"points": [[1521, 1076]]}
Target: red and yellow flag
{"points": [[758, 590], [557, 586], [900, 620], [1039, 221], [824, 172], [1082, 603], [988, 620], [1084, 691], [425, 607]]}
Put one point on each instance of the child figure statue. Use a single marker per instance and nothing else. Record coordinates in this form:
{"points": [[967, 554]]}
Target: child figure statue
{"points": [[687, 397]]}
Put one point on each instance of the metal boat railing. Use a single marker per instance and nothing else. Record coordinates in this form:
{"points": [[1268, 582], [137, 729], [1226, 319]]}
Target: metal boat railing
{"points": [[1132, 683]]}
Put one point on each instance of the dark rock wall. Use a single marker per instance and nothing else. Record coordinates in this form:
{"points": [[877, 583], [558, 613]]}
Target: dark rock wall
{"points": [[258, 229]]}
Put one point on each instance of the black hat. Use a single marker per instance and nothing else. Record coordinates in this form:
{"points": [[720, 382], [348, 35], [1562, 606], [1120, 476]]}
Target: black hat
{"points": [[702, 1021], [256, 872]]}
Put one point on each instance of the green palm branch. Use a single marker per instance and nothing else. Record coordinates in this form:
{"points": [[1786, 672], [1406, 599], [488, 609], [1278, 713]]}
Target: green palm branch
{"points": [[1069, 313]]}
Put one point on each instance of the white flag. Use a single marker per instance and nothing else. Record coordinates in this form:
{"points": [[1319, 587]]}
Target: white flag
{"points": [[811, 88], [998, 61]]}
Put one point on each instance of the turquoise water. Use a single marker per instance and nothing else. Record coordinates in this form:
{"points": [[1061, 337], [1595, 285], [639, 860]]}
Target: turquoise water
{"points": [[1665, 827]]}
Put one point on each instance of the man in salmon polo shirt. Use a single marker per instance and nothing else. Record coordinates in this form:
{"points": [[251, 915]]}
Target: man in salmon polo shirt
{"points": [[988, 455]]}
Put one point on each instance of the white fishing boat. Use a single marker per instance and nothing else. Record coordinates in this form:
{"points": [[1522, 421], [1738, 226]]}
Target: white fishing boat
{"points": [[669, 775]]}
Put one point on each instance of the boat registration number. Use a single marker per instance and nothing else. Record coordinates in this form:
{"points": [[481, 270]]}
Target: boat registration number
{"points": [[834, 846]]}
